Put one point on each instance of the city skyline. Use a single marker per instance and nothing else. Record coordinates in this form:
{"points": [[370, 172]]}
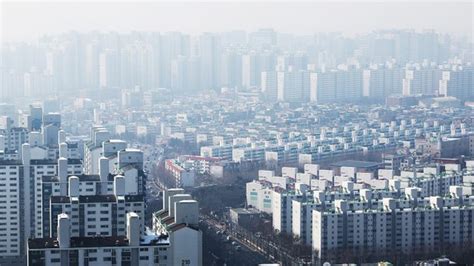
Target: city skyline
{"points": [[321, 68], [236, 133]]}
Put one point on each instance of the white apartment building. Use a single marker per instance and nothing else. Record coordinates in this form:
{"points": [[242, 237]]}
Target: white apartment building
{"points": [[248, 154], [293, 86], [418, 225], [44, 184], [421, 80], [22, 200], [88, 188], [99, 146], [13, 137], [40, 169], [269, 85], [220, 151], [93, 149], [179, 220], [259, 195], [11, 231], [199, 163], [382, 81], [129, 157], [282, 209], [458, 83], [349, 82], [293, 200], [136, 247], [323, 87], [301, 217], [183, 176], [250, 70], [345, 84], [100, 214], [330, 143]]}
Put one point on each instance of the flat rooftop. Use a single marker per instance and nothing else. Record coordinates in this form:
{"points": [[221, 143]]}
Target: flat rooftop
{"points": [[244, 211], [149, 239], [357, 164], [78, 242]]}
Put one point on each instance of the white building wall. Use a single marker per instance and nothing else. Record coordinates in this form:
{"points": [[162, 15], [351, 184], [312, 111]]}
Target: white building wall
{"points": [[187, 247]]}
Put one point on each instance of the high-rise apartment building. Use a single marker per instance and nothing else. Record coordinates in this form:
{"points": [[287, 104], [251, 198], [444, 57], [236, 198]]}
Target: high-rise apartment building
{"points": [[423, 225], [349, 84], [132, 248], [269, 84], [179, 220], [421, 80], [323, 87], [458, 83], [109, 69], [293, 86], [209, 52], [382, 81]]}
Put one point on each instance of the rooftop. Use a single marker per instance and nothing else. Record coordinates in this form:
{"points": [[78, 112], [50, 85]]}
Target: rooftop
{"points": [[97, 198], [176, 227], [59, 199], [85, 199], [244, 211], [357, 164], [79, 242], [134, 198]]}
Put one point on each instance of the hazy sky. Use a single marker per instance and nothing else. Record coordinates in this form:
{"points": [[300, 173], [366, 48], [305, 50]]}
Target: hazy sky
{"points": [[28, 20]]}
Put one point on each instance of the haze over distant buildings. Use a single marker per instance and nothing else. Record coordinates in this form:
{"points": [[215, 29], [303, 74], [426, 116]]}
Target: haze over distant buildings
{"points": [[236, 133], [26, 20]]}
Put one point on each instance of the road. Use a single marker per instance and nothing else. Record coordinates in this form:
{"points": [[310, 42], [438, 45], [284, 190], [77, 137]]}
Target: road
{"points": [[241, 250], [152, 155], [218, 250], [257, 244]]}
